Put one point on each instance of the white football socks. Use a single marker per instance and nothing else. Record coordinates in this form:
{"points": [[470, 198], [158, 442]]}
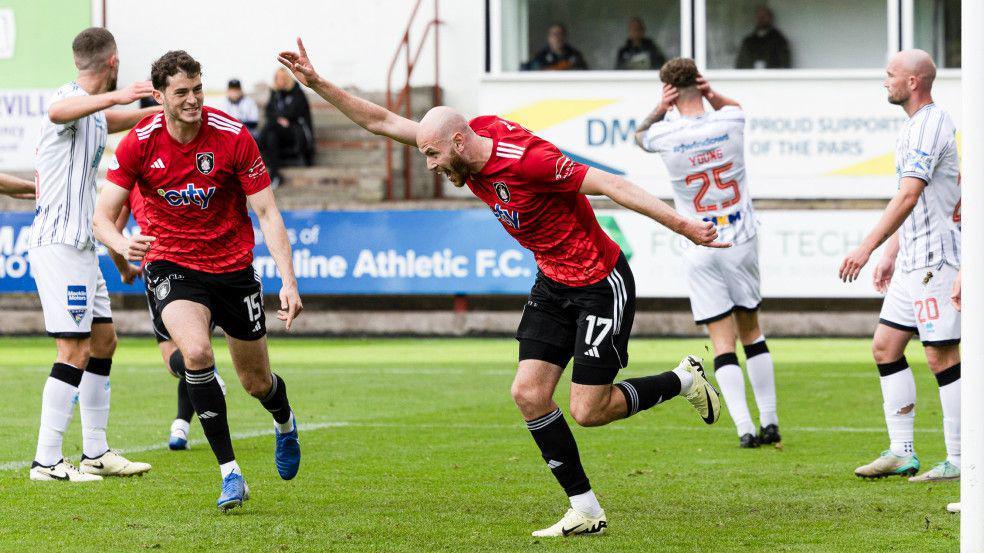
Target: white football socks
{"points": [[229, 468], [57, 407], [732, 383], [94, 392], [949, 381], [287, 426], [761, 375], [586, 504], [899, 395], [686, 379]]}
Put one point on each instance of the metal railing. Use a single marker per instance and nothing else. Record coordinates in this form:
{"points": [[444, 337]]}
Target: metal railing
{"points": [[402, 102]]}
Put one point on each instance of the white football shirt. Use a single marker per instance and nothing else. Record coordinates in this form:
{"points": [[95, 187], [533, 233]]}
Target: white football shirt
{"points": [[66, 164], [927, 150], [705, 157]]}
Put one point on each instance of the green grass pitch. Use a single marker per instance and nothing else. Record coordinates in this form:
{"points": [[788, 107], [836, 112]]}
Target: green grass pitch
{"points": [[414, 445]]}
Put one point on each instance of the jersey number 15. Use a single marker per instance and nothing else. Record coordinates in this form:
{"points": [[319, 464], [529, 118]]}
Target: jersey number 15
{"points": [[714, 175]]}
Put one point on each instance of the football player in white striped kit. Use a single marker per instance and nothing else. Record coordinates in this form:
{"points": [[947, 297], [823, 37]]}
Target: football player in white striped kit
{"points": [[64, 265], [922, 227], [704, 155]]}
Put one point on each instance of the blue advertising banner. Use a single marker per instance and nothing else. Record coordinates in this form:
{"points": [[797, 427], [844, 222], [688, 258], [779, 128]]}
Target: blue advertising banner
{"points": [[350, 252]]}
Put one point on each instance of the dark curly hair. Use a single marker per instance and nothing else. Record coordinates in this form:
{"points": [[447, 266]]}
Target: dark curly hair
{"points": [[679, 73], [170, 64]]}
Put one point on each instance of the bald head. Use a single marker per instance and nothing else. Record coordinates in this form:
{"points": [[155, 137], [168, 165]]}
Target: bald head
{"points": [[909, 79], [917, 63], [441, 123], [451, 146]]}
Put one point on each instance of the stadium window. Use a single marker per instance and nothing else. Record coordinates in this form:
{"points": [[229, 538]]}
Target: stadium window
{"points": [[936, 29], [795, 34], [595, 32]]}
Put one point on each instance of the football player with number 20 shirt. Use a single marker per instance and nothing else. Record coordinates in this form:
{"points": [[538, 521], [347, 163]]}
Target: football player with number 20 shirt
{"points": [[583, 301]]}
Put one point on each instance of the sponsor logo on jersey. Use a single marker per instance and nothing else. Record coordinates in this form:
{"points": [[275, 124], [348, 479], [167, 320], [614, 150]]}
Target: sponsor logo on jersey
{"points": [[158, 164], [502, 191], [724, 220], [705, 143], [205, 161], [507, 216], [189, 195]]}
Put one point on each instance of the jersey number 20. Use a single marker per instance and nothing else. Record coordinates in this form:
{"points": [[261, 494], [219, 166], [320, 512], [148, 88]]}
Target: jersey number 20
{"points": [[716, 176]]}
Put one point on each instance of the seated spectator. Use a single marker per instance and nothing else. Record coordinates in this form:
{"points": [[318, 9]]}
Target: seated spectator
{"points": [[766, 47], [287, 137], [557, 55], [241, 107], [639, 52]]}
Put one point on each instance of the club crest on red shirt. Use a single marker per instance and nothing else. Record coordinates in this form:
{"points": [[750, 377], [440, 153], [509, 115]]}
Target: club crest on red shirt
{"points": [[502, 191], [205, 161]]}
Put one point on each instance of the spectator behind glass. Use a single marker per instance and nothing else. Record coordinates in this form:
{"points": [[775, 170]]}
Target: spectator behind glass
{"points": [[639, 52], [557, 55], [241, 107], [287, 137], [766, 47]]}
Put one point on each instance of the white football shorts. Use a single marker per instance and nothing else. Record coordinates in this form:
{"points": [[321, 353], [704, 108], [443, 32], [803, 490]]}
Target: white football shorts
{"points": [[723, 280], [919, 301], [72, 290]]}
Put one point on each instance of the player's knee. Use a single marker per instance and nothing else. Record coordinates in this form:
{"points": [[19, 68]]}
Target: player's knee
{"points": [[256, 385], [587, 415], [74, 352], [104, 346], [198, 356], [884, 352], [529, 398]]}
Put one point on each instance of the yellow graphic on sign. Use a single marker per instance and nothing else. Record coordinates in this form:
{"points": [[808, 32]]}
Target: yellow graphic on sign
{"points": [[547, 113], [878, 166]]}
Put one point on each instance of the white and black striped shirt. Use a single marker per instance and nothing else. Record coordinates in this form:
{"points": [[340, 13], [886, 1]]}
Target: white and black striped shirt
{"points": [[927, 150], [66, 163]]}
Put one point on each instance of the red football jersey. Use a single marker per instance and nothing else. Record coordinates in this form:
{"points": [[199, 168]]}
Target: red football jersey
{"points": [[532, 189], [194, 194]]}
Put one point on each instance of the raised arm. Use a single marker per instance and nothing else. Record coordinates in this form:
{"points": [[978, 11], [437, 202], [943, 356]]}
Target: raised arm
{"points": [[893, 217], [70, 109], [630, 196], [275, 235], [375, 119], [670, 95], [124, 119], [716, 99]]}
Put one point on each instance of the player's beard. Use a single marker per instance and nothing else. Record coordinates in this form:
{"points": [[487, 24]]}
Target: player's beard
{"points": [[896, 100], [459, 169]]}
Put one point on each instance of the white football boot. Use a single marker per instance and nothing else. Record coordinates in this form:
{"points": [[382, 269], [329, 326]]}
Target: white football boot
{"points": [[112, 463], [62, 470], [575, 523]]}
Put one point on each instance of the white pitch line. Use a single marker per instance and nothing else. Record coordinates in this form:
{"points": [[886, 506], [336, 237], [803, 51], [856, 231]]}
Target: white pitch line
{"points": [[313, 426]]}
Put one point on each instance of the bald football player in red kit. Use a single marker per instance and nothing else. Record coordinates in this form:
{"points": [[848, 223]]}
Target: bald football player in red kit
{"points": [[583, 301]]}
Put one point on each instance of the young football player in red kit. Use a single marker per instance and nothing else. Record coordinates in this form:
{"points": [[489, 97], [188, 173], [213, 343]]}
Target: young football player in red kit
{"points": [[583, 301], [197, 168]]}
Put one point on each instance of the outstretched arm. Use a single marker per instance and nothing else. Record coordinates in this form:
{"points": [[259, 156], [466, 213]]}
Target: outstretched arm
{"points": [[69, 109], [896, 212], [630, 196], [124, 119], [375, 119], [16, 187]]}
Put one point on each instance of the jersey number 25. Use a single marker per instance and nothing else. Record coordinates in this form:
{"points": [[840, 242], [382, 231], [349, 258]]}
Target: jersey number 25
{"points": [[706, 178]]}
